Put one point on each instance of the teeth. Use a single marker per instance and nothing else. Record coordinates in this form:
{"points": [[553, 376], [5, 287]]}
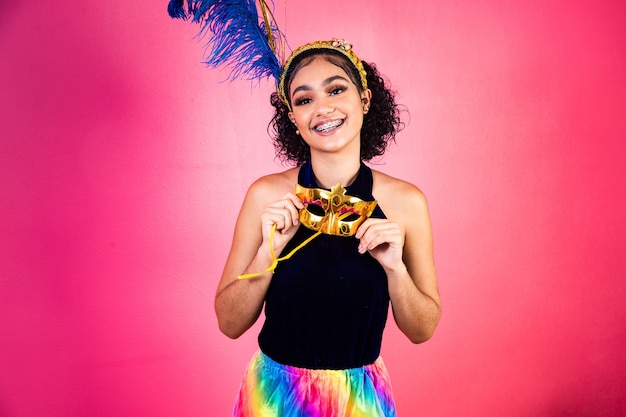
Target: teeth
{"points": [[329, 126]]}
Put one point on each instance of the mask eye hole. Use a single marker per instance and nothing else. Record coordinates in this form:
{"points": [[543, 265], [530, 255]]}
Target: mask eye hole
{"points": [[351, 217], [315, 209]]}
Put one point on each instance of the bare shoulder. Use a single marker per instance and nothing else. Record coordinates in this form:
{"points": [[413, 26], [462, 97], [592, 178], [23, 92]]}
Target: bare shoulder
{"points": [[262, 192], [399, 199], [273, 186], [388, 188]]}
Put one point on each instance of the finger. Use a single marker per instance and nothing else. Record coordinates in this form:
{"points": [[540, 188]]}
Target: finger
{"points": [[367, 225], [379, 234], [376, 241], [371, 242], [282, 217], [291, 203], [296, 201], [271, 219], [362, 229], [294, 205]]}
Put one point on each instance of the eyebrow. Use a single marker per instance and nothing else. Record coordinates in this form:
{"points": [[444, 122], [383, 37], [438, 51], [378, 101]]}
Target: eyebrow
{"points": [[324, 83]]}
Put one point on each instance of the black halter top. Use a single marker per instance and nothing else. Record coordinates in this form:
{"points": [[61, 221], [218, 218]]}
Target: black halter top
{"points": [[327, 305]]}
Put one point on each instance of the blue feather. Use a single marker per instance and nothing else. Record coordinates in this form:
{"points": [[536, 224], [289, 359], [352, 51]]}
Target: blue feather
{"points": [[237, 37], [176, 9]]}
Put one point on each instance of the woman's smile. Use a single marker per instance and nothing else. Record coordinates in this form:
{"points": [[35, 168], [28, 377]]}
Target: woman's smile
{"points": [[329, 127]]}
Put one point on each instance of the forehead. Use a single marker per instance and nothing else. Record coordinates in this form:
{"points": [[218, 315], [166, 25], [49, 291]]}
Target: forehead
{"points": [[316, 70]]}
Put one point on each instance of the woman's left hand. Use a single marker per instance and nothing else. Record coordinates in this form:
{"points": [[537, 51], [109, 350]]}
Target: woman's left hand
{"points": [[384, 240]]}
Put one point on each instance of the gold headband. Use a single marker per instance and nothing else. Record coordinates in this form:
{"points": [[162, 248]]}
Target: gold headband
{"points": [[338, 45]]}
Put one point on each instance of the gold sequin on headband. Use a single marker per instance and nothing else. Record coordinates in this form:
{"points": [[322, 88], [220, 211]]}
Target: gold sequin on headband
{"points": [[345, 48]]}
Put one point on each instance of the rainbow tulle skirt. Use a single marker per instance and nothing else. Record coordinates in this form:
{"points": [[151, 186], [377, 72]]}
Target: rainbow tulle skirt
{"points": [[270, 389]]}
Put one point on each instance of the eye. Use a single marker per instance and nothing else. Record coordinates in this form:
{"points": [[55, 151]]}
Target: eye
{"points": [[301, 101], [337, 90]]}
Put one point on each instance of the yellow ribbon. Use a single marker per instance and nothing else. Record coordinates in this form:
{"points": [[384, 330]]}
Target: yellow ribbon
{"points": [[275, 261]]}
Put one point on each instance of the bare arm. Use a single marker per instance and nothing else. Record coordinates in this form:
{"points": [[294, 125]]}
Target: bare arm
{"points": [[238, 303], [403, 245]]}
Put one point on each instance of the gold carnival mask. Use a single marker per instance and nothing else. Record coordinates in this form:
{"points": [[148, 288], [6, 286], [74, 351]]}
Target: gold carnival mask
{"points": [[329, 212], [333, 212]]}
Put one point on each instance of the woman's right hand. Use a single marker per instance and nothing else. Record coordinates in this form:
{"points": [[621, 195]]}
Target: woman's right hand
{"points": [[283, 213]]}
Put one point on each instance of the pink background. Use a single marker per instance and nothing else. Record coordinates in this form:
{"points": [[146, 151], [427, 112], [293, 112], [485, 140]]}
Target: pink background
{"points": [[124, 161]]}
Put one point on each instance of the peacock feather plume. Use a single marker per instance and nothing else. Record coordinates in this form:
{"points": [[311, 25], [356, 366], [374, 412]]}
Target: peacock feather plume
{"points": [[237, 37]]}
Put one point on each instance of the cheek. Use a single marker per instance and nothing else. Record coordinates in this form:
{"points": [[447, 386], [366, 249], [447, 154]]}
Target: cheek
{"points": [[301, 117]]}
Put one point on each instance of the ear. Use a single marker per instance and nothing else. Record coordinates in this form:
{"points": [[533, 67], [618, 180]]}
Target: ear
{"points": [[366, 100], [293, 119]]}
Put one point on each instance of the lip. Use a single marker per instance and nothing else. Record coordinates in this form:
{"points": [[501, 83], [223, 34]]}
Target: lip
{"points": [[328, 126]]}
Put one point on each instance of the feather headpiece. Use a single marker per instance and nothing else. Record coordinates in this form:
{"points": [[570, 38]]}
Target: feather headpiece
{"points": [[252, 47]]}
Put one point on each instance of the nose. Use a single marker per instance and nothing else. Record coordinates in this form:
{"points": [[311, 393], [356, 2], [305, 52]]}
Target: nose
{"points": [[324, 106]]}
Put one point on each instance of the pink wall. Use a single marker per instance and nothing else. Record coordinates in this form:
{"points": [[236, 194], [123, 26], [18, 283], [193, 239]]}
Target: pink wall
{"points": [[123, 163]]}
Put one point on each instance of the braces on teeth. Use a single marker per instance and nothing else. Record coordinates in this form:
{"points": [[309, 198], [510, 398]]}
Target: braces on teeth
{"points": [[329, 125]]}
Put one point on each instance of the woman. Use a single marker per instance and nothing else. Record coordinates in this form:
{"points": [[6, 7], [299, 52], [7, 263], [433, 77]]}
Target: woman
{"points": [[350, 240]]}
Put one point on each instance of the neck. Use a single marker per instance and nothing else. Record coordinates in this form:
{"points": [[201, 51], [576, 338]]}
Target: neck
{"points": [[328, 171]]}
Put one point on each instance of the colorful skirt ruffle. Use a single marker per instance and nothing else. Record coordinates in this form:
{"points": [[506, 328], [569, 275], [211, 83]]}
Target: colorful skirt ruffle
{"points": [[270, 389]]}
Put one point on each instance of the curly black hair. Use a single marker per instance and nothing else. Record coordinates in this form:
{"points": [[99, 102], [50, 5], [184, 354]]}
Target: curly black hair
{"points": [[380, 124]]}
